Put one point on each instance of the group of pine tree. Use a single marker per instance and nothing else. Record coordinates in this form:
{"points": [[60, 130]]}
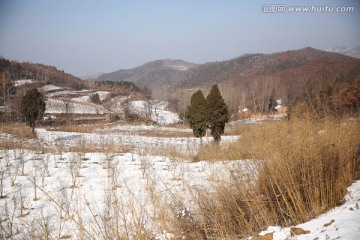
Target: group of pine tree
{"points": [[210, 113]]}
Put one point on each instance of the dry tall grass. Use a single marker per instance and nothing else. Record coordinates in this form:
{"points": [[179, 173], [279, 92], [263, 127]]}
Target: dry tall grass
{"points": [[302, 168], [21, 131]]}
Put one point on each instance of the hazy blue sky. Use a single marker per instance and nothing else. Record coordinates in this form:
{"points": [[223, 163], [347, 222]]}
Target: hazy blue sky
{"points": [[89, 36]]}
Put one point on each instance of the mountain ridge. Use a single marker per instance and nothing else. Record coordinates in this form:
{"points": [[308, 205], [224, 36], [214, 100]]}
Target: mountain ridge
{"points": [[250, 80], [155, 72], [248, 66]]}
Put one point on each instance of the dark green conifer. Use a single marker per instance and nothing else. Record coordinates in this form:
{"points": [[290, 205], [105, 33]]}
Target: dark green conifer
{"points": [[217, 113], [197, 114], [32, 107]]}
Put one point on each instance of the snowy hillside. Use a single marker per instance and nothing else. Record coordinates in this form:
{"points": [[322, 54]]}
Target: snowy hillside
{"points": [[58, 106], [154, 110], [179, 67], [61, 101]]}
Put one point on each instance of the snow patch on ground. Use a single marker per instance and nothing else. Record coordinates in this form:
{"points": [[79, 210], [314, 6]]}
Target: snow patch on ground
{"points": [[342, 222], [51, 88], [60, 93], [115, 104], [81, 99], [102, 94], [155, 110], [22, 82], [179, 67], [86, 97]]}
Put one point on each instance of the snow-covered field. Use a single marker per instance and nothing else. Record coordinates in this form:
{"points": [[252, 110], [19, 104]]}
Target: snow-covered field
{"points": [[67, 191], [79, 183], [60, 106], [128, 138], [114, 180]]}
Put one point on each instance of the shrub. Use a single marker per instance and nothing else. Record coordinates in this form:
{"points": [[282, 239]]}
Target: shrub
{"points": [[95, 98]]}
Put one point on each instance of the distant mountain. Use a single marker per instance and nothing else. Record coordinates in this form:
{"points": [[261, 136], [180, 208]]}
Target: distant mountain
{"points": [[254, 80], [290, 67], [93, 76], [251, 80], [352, 52], [155, 73]]}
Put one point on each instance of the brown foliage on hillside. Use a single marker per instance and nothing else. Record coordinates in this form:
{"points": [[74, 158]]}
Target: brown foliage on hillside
{"points": [[254, 81], [46, 74], [337, 99]]}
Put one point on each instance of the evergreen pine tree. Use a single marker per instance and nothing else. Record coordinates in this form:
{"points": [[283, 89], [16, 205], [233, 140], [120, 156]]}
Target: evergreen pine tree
{"points": [[95, 98], [217, 113], [32, 106], [197, 114]]}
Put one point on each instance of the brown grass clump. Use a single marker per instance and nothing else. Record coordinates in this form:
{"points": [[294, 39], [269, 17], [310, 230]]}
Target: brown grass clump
{"points": [[219, 153], [300, 169], [73, 128], [20, 131], [308, 168]]}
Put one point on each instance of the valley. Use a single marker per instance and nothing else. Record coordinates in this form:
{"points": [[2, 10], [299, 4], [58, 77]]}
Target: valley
{"points": [[115, 157]]}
